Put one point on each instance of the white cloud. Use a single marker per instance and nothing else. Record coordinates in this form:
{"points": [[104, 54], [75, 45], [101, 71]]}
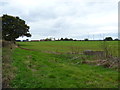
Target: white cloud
{"points": [[65, 18]]}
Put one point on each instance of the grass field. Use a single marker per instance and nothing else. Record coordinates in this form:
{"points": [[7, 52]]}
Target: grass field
{"points": [[69, 46], [48, 65]]}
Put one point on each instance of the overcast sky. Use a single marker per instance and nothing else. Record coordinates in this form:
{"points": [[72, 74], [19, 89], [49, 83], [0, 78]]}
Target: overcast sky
{"points": [[77, 19]]}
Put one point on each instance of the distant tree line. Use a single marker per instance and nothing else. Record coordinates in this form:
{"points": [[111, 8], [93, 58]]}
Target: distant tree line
{"points": [[110, 39], [66, 39], [70, 39], [86, 39]]}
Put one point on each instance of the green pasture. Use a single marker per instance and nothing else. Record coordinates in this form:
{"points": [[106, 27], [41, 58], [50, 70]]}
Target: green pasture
{"points": [[35, 67], [71, 46]]}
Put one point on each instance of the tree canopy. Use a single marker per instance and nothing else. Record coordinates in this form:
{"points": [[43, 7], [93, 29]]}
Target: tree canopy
{"points": [[108, 39], [86, 39], [13, 28]]}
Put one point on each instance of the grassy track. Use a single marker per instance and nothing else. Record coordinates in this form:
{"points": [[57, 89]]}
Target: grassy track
{"points": [[37, 69]]}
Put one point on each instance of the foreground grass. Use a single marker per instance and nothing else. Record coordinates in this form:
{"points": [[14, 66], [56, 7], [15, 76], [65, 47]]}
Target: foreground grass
{"points": [[35, 69]]}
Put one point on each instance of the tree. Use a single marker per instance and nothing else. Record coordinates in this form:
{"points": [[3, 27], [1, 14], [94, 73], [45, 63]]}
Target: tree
{"points": [[61, 39], [71, 39], [66, 39], [86, 39], [13, 28], [108, 39], [48, 39], [116, 39]]}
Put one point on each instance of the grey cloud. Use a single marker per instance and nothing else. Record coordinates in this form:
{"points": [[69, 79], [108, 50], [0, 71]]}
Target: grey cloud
{"points": [[62, 18]]}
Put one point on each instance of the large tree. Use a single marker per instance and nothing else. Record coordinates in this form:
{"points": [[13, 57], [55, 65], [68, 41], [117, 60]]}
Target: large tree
{"points": [[13, 28]]}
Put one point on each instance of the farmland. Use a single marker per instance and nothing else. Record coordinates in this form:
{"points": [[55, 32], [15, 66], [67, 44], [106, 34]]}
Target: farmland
{"points": [[51, 64], [69, 46]]}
